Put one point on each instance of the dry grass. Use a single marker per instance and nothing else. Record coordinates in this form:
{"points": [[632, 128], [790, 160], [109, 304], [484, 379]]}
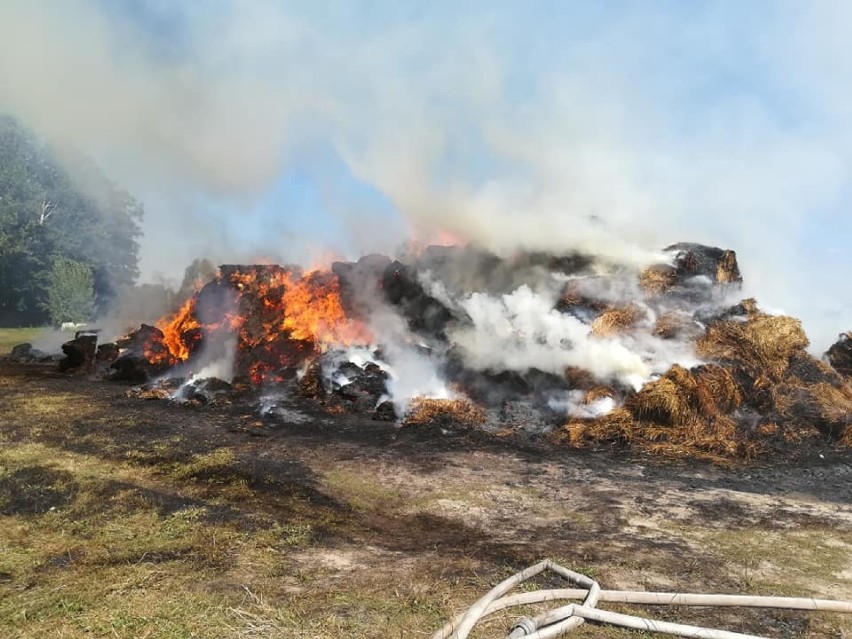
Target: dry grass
{"points": [[617, 320], [760, 345], [182, 547], [451, 412]]}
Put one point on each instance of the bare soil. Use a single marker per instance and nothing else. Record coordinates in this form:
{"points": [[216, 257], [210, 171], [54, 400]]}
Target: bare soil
{"points": [[378, 530]]}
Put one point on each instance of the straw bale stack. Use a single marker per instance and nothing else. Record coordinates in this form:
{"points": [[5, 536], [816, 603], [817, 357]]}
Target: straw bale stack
{"points": [[760, 345], [444, 412], [617, 320], [657, 279]]}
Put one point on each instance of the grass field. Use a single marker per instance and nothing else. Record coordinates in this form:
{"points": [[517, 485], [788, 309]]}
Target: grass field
{"points": [[10, 337], [128, 518]]}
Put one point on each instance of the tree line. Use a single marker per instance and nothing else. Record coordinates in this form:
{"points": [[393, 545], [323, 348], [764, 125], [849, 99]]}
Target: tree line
{"points": [[69, 236]]}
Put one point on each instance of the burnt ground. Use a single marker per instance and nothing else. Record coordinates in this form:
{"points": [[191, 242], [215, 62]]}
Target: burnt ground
{"points": [[132, 517]]}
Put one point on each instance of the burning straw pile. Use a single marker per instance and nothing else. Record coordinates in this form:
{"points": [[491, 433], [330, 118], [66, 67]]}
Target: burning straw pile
{"points": [[762, 387], [657, 360]]}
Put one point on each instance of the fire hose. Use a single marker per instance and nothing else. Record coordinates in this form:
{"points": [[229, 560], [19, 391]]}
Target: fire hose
{"points": [[560, 620]]}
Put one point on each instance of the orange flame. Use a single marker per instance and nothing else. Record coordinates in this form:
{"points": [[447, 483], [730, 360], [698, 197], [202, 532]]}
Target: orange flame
{"points": [[288, 313], [175, 331], [313, 311]]}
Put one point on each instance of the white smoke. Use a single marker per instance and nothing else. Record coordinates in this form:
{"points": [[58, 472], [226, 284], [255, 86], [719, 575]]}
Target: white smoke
{"points": [[573, 404], [522, 331], [413, 368]]}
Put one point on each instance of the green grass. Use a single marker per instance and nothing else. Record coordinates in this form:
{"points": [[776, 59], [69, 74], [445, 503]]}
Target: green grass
{"points": [[10, 337]]}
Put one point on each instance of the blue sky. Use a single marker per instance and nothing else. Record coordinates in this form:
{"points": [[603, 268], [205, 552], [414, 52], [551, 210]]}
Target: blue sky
{"points": [[284, 129]]}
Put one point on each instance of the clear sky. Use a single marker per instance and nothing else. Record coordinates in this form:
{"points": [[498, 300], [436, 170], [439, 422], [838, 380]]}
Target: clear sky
{"points": [[290, 129]]}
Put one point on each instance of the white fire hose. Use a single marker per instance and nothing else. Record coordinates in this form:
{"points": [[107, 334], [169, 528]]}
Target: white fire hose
{"points": [[559, 621]]}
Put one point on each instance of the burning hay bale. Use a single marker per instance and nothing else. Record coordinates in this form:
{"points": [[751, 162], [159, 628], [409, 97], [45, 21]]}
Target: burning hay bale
{"points": [[676, 325], [617, 320], [658, 279], [311, 385], [692, 264], [839, 355], [143, 355], [826, 407], [695, 260], [487, 327], [727, 269], [444, 413], [359, 388], [424, 313], [760, 345], [684, 396], [578, 302], [80, 353], [25, 353], [597, 393], [580, 379], [684, 413]]}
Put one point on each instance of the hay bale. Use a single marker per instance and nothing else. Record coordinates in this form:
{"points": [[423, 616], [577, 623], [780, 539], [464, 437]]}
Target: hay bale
{"points": [[676, 325], [717, 390], [808, 369], [762, 344], [616, 427], [573, 298], [727, 269], [719, 265], [597, 393], [579, 378], [657, 279], [668, 400], [833, 406], [823, 407], [839, 355], [311, 384], [616, 320], [443, 412]]}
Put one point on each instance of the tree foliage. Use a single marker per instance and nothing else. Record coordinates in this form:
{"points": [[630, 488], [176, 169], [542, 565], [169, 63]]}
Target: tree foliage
{"points": [[56, 204], [70, 292]]}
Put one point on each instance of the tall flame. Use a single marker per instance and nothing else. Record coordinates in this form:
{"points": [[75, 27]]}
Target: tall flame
{"points": [[304, 312], [313, 311], [177, 330]]}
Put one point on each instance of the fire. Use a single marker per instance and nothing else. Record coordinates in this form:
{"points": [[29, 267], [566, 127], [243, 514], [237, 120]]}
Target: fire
{"points": [[181, 332], [280, 317], [314, 312]]}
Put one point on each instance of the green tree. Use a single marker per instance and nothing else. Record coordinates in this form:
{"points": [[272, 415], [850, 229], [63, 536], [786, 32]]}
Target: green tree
{"points": [[70, 292], [57, 204]]}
